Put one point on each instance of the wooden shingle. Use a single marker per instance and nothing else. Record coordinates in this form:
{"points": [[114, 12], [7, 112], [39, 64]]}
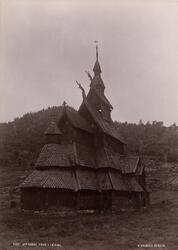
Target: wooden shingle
{"points": [[51, 179]]}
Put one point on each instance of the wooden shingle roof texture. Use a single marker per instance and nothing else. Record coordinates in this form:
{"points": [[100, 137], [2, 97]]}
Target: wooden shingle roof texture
{"points": [[81, 179], [87, 179], [65, 155], [53, 155], [73, 179], [51, 179], [125, 164], [104, 181]]}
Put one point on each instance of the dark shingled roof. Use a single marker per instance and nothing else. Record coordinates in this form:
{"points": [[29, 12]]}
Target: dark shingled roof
{"points": [[118, 181], [77, 167], [107, 158], [75, 118], [104, 99], [113, 180], [62, 178], [51, 179], [99, 95], [107, 127], [84, 156], [125, 164], [81, 179], [87, 179], [128, 164], [53, 155], [53, 129], [133, 185], [104, 180], [65, 155]]}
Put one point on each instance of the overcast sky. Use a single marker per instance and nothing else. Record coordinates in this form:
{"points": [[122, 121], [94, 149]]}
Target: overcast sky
{"points": [[47, 45]]}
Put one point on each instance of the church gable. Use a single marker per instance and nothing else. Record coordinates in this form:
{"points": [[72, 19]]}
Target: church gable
{"points": [[75, 119], [74, 127]]}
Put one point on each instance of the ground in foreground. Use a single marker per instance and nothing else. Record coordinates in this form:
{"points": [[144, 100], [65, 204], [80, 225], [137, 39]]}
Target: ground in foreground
{"points": [[126, 230]]}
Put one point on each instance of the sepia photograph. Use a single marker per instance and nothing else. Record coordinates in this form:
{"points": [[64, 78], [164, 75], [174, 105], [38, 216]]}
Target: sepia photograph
{"points": [[88, 124]]}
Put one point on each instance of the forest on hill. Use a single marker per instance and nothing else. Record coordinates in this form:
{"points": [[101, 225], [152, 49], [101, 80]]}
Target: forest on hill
{"points": [[22, 139]]}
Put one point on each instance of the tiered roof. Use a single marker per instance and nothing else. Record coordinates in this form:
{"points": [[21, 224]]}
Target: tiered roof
{"points": [[73, 180], [51, 179], [81, 179], [73, 166], [65, 155], [76, 166]]}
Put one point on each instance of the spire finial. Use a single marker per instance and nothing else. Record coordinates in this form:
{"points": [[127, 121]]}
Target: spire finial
{"points": [[96, 42]]}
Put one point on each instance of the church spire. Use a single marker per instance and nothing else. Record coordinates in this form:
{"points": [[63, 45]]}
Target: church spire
{"points": [[97, 68], [97, 52], [96, 96]]}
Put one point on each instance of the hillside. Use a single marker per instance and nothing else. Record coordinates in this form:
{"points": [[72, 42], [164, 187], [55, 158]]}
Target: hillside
{"points": [[22, 139]]}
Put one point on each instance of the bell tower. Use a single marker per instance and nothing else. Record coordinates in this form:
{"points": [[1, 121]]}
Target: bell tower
{"points": [[96, 96]]}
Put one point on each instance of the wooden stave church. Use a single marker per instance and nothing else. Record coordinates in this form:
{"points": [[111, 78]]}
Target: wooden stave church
{"points": [[82, 166]]}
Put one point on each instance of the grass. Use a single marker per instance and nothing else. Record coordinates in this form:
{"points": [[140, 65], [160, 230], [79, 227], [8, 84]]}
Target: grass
{"points": [[157, 225], [123, 231]]}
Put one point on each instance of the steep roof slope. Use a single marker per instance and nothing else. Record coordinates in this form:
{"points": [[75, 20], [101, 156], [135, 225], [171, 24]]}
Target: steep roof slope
{"points": [[107, 127], [65, 155], [75, 118]]}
